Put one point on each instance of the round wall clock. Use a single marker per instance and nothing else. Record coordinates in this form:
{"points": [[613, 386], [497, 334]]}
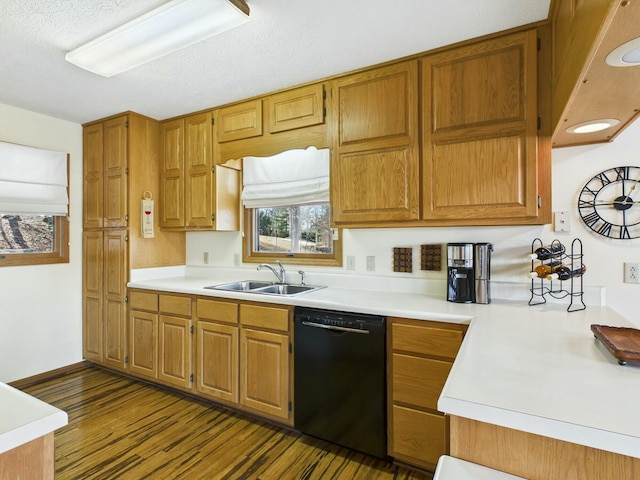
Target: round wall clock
{"points": [[606, 203]]}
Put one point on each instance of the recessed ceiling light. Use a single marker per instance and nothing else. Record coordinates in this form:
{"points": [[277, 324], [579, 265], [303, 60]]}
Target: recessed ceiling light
{"points": [[593, 125], [170, 27], [626, 55]]}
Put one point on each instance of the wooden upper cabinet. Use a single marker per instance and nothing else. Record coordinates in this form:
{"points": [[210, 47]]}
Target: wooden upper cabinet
{"points": [[375, 161], [198, 170], [172, 174], [243, 120], [115, 172], [93, 165], [297, 108], [479, 117]]}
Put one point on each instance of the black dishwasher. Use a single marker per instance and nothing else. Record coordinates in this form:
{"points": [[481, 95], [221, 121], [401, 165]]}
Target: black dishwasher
{"points": [[340, 380]]}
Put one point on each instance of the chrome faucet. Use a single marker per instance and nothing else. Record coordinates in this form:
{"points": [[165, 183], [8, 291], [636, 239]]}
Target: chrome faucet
{"points": [[303, 277], [282, 276]]}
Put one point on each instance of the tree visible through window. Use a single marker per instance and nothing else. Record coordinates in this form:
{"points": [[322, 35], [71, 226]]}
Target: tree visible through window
{"points": [[27, 234], [302, 229]]}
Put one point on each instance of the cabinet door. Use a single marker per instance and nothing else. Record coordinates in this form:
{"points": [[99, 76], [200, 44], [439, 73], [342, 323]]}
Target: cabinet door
{"points": [[172, 174], [115, 308], [93, 172], [419, 438], [198, 171], [480, 130], [375, 165], [115, 172], [243, 120], [175, 351], [264, 367], [297, 108], [143, 343], [92, 296], [217, 361]]}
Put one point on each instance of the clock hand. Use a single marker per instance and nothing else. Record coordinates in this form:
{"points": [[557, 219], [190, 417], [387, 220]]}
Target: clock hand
{"points": [[624, 202], [616, 203]]}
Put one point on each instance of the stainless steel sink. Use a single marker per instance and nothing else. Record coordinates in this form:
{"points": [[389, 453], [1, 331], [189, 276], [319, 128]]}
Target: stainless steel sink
{"points": [[265, 288], [243, 286], [286, 289]]}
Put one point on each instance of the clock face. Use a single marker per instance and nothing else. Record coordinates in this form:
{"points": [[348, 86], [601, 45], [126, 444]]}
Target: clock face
{"points": [[609, 203]]}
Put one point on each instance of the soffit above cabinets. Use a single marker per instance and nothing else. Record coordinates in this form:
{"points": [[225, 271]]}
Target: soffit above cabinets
{"points": [[597, 90]]}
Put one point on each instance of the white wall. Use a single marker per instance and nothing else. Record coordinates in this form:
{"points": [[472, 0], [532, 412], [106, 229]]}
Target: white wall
{"points": [[572, 168], [41, 306]]}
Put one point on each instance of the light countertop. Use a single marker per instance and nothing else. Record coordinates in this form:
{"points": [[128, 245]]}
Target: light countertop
{"points": [[532, 368], [24, 418]]}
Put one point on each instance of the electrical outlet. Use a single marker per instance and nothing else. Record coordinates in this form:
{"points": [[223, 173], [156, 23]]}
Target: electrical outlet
{"points": [[236, 259], [351, 262], [371, 263], [631, 272], [205, 258]]}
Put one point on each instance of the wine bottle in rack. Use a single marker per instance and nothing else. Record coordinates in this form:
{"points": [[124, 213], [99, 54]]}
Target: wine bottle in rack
{"points": [[541, 271], [547, 252], [565, 272]]}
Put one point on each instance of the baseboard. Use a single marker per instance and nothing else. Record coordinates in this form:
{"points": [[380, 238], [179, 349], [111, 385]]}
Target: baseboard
{"points": [[51, 374]]}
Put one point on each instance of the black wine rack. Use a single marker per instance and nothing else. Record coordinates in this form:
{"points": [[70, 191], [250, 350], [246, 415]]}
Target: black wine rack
{"points": [[558, 289]]}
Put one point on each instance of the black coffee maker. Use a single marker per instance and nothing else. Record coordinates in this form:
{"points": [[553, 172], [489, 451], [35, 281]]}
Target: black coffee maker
{"points": [[460, 273]]}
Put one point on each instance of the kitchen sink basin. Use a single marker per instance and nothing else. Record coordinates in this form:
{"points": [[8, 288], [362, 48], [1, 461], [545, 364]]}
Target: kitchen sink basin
{"points": [[265, 288], [243, 286]]}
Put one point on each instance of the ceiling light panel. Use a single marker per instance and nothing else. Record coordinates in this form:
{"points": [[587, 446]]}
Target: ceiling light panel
{"points": [[626, 55], [170, 27]]}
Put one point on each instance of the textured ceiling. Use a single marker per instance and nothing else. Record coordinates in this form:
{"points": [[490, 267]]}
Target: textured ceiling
{"points": [[287, 42]]}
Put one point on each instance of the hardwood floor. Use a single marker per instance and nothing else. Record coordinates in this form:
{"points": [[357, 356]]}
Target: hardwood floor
{"points": [[127, 430]]}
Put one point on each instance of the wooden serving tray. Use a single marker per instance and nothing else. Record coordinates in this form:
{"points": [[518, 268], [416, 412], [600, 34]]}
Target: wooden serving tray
{"points": [[622, 342]]}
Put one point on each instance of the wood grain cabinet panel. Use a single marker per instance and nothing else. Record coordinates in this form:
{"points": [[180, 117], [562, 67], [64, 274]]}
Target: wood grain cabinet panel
{"points": [[93, 176], [172, 174], [375, 161], [480, 128], [297, 108], [217, 368], [243, 120], [418, 381], [175, 351], [259, 316], [420, 435], [143, 301], [143, 344], [175, 305], [92, 295], [426, 340], [116, 212], [218, 311], [116, 274]]}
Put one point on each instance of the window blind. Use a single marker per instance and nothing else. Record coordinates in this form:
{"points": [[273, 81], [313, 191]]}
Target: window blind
{"points": [[294, 177], [32, 180]]}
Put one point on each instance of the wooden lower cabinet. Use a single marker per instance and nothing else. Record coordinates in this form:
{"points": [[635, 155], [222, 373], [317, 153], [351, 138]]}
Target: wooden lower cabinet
{"points": [[143, 334], [175, 351], [421, 354]]}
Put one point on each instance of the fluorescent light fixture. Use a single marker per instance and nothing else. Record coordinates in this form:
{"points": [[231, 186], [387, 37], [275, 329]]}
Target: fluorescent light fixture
{"points": [[170, 27], [626, 55], [593, 125]]}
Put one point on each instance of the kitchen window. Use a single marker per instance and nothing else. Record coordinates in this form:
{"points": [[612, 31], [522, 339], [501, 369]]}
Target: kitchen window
{"points": [[287, 209], [34, 228]]}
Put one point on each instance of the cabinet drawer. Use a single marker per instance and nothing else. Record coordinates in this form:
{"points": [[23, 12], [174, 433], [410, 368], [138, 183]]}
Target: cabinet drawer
{"points": [[418, 381], [418, 437], [143, 301], [224, 312], [426, 340], [271, 318], [175, 305]]}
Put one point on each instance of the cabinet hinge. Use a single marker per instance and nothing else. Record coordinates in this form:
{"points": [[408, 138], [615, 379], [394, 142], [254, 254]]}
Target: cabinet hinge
{"points": [[126, 359], [126, 124], [539, 45], [290, 405], [126, 218], [213, 217], [539, 201], [191, 329], [126, 238], [213, 121], [126, 171], [126, 299], [191, 378], [213, 169]]}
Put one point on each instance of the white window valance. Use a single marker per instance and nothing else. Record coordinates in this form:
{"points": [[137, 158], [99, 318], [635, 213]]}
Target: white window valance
{"points": [[294, 177], [32, 180]]}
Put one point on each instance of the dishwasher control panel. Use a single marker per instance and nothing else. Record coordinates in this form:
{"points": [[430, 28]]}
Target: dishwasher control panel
{"points": [[352, 321]]}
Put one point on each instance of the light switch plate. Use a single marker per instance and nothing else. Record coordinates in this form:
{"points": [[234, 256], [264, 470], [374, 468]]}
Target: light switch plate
{"points": [[371, 263], [562, 222]]}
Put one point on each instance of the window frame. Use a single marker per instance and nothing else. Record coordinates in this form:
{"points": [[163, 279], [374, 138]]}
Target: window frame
{"points": [[59, 255], [319, 259]]}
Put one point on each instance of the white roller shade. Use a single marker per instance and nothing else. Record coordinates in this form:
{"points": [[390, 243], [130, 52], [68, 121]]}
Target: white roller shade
{"points": [[32, 181], [294, 177]]}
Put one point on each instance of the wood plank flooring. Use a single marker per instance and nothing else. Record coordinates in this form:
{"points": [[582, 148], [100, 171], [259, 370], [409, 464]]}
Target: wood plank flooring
{"points": [[127, 430]]}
